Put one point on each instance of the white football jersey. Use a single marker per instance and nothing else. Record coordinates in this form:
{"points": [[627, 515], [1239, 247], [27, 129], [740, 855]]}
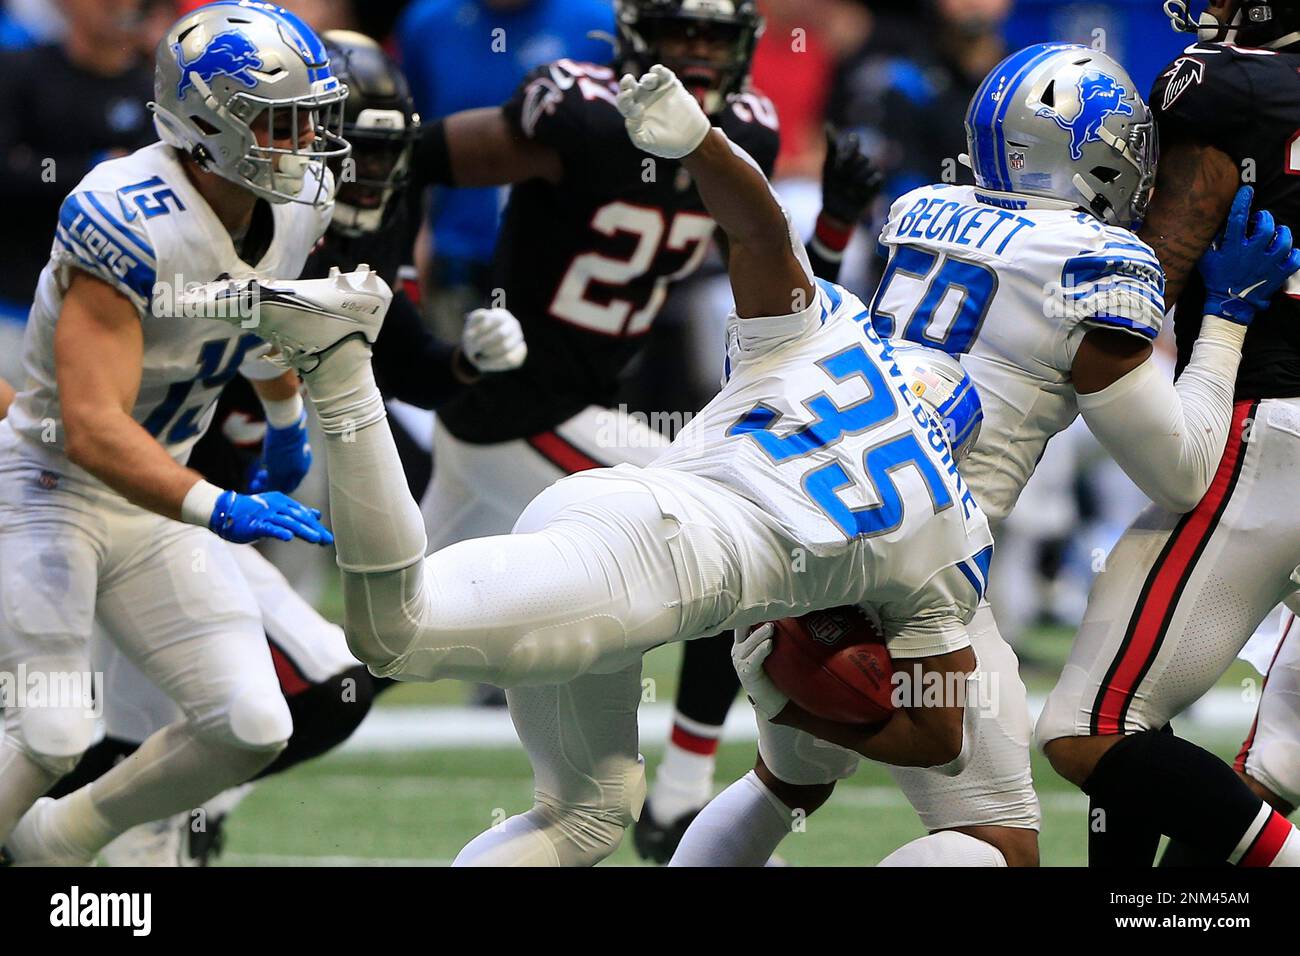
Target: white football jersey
{"points": [[1011, 284], [816, 425], [138, 224]]}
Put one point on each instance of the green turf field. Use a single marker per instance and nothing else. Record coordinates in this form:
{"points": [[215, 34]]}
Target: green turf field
{"points": [[421, 807]]}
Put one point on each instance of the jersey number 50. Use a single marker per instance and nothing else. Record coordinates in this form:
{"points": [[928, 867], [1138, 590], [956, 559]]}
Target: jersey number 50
{"points": [[933, 321]]}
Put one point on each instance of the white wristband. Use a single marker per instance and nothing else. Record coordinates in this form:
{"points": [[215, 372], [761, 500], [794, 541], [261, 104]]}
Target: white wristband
{"points": [[200, 501], [284, 413]]}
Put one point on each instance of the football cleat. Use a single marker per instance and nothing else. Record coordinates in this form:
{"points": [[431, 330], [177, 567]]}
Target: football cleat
{"points": [[302, 318], [30, 845], [656, 842]]}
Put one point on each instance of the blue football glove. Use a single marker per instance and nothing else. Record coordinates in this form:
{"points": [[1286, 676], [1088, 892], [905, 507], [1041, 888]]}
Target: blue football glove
{"points": [[247, 518], [1243, 268], [285, 458]]}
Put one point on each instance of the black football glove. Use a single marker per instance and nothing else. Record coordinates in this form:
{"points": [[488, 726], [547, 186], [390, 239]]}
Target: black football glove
{"points": [[850, 181]]}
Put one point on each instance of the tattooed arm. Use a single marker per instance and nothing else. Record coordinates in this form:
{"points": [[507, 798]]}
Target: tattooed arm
{"points": [[1194, 189]]}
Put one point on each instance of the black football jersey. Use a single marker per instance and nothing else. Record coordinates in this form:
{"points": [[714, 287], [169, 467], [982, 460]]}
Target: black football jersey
{"points": [[1246, 103], [585, 264]]}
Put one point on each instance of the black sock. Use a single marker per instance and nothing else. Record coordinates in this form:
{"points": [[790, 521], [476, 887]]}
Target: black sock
{"points": [[708, 681], [1187, 793], [1118, 838], [1181, 855], [324, 716], [94, 763]]}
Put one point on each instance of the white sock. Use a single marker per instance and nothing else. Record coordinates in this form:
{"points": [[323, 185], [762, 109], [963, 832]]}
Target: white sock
{"points": [[684, 780], [174, 770], [22, 782], [742, 826], [538, 838], [946, 848], [377, 525], [519, 841]]}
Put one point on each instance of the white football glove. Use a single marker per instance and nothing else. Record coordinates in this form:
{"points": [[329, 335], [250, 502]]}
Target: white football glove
{"points": [[493, 340], [661, 115], [747, 657]]}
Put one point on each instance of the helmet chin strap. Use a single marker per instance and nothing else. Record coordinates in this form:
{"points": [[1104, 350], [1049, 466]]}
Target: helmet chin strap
{"points": [[1211, 30]]}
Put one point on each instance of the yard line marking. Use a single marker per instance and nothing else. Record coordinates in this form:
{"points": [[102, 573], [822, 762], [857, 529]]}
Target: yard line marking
{"points": [[1223, 712]]}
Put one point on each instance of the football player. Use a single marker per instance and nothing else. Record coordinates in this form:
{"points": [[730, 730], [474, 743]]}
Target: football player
{"points": [[1192, 578], [327, 691], [593, 236], [99, 516], [1034, 278], [815, 479]]}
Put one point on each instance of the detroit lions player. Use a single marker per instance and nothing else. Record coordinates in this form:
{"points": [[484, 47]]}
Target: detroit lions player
{"points": [[815, 479], [121, 381], [1034, 277]]}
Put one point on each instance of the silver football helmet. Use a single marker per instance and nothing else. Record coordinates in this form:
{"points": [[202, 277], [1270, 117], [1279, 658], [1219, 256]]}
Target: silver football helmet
{"points": [[1064, 122], [236, 68], [945, 388]]}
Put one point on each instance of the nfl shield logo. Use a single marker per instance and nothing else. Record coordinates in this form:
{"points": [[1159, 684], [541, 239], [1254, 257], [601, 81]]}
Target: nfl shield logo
{"points": [[1017, 160]]}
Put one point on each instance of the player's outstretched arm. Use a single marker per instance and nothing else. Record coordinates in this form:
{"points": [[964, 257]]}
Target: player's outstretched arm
{"points": [[1169, 437], [480, 148], [98, 352], [665, 120]]}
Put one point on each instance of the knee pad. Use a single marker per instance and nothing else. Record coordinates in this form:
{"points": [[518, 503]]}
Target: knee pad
{"points": [[584, 834], [254, 720], [54, 737]]}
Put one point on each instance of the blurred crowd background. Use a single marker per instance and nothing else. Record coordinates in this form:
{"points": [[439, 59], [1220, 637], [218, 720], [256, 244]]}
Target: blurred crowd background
{"points": [[75, 76]]}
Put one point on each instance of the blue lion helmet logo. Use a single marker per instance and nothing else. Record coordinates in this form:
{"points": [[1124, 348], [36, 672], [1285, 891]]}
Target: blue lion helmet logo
{"points": [[1100, 96], [228, 54]]}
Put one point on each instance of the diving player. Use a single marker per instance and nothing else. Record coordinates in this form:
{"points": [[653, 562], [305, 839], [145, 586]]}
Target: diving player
{"points": [[816, 446], [593, 237], [1183, 592], [121, 381], [1034, 278]]}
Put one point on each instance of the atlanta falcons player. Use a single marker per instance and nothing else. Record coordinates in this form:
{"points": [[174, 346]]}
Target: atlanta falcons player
{"points": [[1183, 592]]}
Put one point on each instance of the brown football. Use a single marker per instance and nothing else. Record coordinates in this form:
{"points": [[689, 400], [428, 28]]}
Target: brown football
{"points": [[834, 664]]}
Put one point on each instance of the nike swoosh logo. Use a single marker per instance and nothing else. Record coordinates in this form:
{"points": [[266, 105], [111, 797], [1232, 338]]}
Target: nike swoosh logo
{"points": [[1247, 291]]}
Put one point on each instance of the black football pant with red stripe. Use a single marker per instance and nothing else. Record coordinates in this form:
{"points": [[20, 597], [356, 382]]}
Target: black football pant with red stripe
{"points": [[1177, 600]]}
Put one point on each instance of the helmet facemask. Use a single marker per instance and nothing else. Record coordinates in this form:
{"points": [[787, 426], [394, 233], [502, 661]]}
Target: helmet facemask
{"points": [[380, 168], [286, 138], [1251, 23], [1140, 151], [709, 49]]}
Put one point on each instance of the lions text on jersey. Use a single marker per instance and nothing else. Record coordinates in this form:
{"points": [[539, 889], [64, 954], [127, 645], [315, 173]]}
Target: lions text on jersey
{"points": [[1011, 284], [138, 224]]}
